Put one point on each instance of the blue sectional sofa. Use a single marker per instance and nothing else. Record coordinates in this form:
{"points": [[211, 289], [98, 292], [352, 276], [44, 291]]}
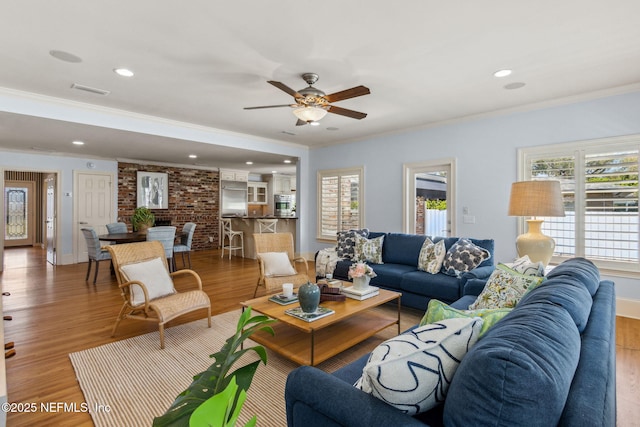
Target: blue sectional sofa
{"points": [[399, 270], [550, 361]]}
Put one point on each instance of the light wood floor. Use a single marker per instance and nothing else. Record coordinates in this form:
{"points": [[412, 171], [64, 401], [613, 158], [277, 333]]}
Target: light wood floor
{"points": [[55, 313]]}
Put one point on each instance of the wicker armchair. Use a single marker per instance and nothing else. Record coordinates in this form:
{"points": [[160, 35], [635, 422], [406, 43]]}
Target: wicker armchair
{"points": [[146, 285], [275, 243]]}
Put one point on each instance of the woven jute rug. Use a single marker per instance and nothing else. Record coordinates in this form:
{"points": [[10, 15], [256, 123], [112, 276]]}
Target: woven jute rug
{"points": [[137, 381]]}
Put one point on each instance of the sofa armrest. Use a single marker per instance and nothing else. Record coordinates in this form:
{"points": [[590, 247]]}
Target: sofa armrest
{"points": [[316, 398], [479, 272], [474, 286]]}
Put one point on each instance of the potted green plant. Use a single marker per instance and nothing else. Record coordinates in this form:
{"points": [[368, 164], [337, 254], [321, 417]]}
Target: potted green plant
{"points": [[215, 396], [142, 219]]}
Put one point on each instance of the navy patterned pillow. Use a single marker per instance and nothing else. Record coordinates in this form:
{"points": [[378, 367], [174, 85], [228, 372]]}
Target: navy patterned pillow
{"points": [[463, 256], [347, 242]]}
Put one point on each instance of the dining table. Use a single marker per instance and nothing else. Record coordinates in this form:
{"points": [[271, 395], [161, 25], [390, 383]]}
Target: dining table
{"points": [[116, 238]]}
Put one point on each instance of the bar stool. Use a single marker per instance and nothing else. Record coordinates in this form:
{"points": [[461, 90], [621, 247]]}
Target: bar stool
{"points": [[268, 225], [230, 234]]}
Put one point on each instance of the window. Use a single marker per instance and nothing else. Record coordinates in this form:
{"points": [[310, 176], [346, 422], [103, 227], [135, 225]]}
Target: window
{"points": [[599, 181], [339, 201]]}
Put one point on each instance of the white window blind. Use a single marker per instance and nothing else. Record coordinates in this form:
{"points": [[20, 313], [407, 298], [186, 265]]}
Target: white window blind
{"points": [[339, 201], [599, 183]]}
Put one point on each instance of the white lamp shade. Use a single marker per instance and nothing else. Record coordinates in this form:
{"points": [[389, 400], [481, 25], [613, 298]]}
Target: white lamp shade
{"points": [[310, 114]]}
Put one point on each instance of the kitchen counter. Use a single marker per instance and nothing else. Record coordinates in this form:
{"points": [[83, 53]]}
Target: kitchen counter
{"points": [[249, 225]]}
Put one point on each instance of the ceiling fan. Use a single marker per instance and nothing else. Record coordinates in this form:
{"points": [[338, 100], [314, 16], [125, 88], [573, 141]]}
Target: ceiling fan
{"points": [[312, 104]]}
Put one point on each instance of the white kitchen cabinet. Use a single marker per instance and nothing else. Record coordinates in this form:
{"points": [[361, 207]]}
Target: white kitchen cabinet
{"points": [[257, 193], [234, 175], [284, 184]]}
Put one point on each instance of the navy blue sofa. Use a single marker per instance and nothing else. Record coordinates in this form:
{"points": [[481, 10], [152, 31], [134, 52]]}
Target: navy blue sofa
{"points": [[550, 361], [399, 271]]}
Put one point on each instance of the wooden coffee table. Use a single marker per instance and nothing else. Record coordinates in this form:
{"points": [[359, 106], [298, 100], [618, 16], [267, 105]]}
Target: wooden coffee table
{"points": [[310, 343]]}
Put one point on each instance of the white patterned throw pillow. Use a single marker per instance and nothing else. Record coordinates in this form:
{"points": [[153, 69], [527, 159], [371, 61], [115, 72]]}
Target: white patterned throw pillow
{"points": [[369, 250], [527, 267], [431, 256], [412, 371]]}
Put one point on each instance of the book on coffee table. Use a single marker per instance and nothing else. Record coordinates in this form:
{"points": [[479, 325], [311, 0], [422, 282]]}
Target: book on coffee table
{"points": [[353, 291], [361, 297], [284, 300], [309, 317]]}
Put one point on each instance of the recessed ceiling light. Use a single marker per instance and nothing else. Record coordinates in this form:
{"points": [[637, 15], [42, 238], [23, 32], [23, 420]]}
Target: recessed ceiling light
{"points": [[249, 162], [287, 161], [123, 72], [78, 143], [274, 171], [65, 56], [502, 73], [193, 156], [514, 85], [314, 123]]}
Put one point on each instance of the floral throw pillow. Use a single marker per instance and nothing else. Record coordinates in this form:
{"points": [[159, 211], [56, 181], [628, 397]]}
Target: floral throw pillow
{"points": [[431, 256], [505, 288], [347, 242], [369, 250], [463, 256]]}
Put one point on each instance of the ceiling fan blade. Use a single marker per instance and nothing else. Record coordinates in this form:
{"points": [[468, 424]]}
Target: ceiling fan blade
{"points": [[349, 113], [268, 106], [300, 123], [348, 93], [285, 88]]}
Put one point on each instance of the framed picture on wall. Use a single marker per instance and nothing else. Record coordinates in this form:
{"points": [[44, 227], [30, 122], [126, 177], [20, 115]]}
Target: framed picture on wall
{"points": [[153, 190]]}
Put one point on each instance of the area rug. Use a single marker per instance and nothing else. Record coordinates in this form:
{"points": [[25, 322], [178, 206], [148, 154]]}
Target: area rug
{"points": [[137, 381]]}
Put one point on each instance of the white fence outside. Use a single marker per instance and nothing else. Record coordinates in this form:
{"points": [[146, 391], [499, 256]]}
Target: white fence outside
{"points": [[435, 222]]}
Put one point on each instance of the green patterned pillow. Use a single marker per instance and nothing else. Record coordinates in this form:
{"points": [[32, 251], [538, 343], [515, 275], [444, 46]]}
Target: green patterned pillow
{"points": [[437, 311], [505, 288], [431, 256], [369, 250]]}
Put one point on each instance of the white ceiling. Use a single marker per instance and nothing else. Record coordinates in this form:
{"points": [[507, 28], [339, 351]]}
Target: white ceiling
{"points": [[202, 61]]}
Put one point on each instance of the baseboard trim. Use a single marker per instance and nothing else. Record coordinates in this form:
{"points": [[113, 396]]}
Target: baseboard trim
{"points": [[628, 308]]}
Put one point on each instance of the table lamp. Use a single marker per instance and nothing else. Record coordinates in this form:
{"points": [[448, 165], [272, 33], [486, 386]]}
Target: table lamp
{"points": [[531, 199]]}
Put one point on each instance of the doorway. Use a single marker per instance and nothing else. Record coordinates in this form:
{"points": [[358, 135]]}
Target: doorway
{"points": [[27, 206], [429, 198], [19, 209]]}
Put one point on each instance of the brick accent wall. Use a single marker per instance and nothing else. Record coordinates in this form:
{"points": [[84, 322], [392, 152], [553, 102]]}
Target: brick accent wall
{"points": [[193, 197], [420, 212]]}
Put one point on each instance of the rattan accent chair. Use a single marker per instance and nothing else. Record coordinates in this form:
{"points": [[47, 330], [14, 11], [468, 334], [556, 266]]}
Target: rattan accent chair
{"points": [[154, 300], [278, 243]]}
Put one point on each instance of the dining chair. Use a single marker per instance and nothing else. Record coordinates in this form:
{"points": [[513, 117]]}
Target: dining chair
{"points": [[230, 234], [277, 262], [148, 289], [117, 227], [186, 237], [94, 251], [167, 236]]}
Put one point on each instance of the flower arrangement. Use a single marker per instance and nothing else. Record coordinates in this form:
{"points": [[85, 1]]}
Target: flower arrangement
{"points": [[361, 269]]}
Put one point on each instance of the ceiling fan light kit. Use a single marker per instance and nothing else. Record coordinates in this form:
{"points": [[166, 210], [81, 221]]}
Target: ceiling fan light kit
{"points": [[310, 113], [312, 104]]}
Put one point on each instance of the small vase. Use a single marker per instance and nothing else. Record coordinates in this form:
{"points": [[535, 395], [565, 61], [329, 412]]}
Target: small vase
{"points": [[309, 297], [361, 283]]}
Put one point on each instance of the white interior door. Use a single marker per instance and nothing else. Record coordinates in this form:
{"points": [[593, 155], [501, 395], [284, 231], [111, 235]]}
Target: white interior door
{"points": [[93, 207], [50, 229]]}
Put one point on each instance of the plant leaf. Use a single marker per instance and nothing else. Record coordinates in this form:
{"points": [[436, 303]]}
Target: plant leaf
{"points": [[216, 378]]}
